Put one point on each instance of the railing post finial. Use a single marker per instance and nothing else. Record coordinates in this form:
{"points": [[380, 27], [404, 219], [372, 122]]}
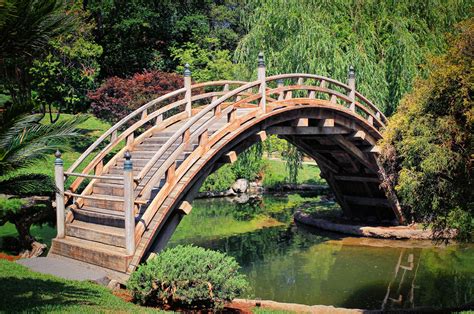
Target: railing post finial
{"points": [[351, 72], [129, 203], [187, 86], [261, 60], [187, 71], [60, 207], [127, 165]]}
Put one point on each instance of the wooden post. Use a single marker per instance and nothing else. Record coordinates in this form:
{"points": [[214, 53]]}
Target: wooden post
{"points": [[280, 84], [263, 84], [128, 204], [187, 85], [351, 82], [59, 179]]}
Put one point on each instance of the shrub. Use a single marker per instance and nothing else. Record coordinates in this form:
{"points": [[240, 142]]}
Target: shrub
{"points": [[428, 145], [188, 276], [117, 97], [220, 180]]}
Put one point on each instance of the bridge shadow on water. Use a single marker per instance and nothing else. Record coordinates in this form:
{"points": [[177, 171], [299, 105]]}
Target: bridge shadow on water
{"points": [[34, 294]]}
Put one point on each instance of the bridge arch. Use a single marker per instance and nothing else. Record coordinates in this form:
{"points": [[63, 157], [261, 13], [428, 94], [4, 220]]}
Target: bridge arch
{"points": [[178, 139]]}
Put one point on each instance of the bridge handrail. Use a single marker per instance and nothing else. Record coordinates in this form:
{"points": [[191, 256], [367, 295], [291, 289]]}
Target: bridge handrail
{"points": [[135, 126], [189, 123], [180, 132], [332, 81]]}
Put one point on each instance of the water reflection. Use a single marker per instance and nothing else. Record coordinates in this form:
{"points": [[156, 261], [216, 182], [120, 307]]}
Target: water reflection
{"points": [[292, 263]]}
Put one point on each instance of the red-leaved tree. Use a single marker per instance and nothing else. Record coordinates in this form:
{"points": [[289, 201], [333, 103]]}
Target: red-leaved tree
{"points": [[117, 97]]}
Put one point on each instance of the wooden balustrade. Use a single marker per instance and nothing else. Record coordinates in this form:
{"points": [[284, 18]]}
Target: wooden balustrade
{"points": [[254, 94]]}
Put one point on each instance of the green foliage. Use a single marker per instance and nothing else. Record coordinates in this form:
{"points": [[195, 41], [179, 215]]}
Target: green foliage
{"points": [[62, 78], [220, 180], [386, 41], [294, 162], [189, 276], [207, 64], [428, 146], [249, 163], [274, 145], [25, 32], [23, 290], [138, 34], [13, 205], [24, 142]]}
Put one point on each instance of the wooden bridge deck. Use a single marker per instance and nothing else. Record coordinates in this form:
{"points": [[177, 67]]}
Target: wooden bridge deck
{"points": [[178, 139]]}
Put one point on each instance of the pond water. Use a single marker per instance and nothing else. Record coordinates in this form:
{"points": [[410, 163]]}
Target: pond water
{"points": [[293, 263]]}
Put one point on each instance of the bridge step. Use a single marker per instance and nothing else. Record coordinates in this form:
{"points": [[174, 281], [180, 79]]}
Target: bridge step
{"points": [[111, 202], [107, 256], [100, 216], [113, 189], [97, 233]]}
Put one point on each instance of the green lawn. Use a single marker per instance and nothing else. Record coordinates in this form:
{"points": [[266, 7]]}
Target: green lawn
{"points": [[275, 173], [24, 290]]}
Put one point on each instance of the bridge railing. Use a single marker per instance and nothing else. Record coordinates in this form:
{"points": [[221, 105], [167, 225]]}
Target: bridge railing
{"points": [[157, 113], [178, 106], [336, 92]]}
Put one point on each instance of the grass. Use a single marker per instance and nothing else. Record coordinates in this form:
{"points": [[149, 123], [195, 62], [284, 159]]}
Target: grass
{"points": [[23, 290], [275, 173]]}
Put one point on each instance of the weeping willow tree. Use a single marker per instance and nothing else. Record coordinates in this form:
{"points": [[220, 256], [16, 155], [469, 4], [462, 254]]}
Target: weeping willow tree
{"points": [[294, 162], [386, 41]]}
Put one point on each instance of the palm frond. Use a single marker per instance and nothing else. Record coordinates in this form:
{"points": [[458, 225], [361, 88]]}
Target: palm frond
{"points": [[36, 141], [28, 184]]}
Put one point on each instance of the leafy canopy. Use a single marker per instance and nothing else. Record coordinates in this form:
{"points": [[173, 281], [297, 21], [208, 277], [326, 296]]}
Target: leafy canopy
{"points": [[428, 145], [386, 41]]}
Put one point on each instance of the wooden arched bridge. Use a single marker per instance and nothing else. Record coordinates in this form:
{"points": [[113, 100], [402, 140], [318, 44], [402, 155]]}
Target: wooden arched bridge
{"points": [[133, 184]]}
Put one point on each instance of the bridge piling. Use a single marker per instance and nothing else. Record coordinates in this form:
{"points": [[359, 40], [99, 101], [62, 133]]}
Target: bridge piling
{"points": [[129, 204]]}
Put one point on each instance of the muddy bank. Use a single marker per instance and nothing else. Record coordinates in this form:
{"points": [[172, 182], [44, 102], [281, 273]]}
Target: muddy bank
{"points": [[384, 232]]}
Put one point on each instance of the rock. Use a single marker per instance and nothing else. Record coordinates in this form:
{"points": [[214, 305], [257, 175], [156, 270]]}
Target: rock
{"points": [[242, 198], [113, 285], [240, 186], [37, 249]]}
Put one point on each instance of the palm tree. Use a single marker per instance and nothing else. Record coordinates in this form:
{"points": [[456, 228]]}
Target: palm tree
{"points": [[23, 142]]}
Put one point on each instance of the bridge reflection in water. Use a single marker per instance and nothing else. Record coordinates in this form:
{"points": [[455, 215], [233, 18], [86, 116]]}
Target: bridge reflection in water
{"points": [[296, 264]]}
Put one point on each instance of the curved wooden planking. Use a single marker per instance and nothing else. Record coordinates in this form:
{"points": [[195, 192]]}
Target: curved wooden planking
{"points": [[314, 109]]}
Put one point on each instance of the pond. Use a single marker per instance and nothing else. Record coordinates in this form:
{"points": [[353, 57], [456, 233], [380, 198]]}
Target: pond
{"points": [[296, 264]]}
